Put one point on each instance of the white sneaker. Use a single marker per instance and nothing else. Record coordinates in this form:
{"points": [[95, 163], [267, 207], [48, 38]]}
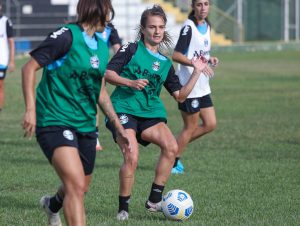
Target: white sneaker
{"points": [[153, 207], [122, 215], [53, 218]]}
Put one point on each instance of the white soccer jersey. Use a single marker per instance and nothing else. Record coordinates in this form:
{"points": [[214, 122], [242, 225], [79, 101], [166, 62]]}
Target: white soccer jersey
{"points": [[4, 48], [200, 45]]}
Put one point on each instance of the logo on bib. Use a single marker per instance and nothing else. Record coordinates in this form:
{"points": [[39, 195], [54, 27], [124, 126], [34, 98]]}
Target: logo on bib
{"points": [[205, 42], [94, 60], [68, 135], [155, 66]]}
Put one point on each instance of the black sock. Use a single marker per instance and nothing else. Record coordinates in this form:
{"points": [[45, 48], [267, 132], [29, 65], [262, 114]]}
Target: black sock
{"points": [[176, 161], [56, 203], [124, 203], [156, 193]]}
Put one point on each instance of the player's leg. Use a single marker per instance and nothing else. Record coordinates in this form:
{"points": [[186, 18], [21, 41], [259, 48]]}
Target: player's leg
{"points": [[73, 179], [162, 136], [191, 130], [190, 124], [126, 175], [209, 123], [2, 94], [127, 170]]}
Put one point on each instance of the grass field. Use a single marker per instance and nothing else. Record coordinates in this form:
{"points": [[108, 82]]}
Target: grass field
{"points": [[247, 172]]}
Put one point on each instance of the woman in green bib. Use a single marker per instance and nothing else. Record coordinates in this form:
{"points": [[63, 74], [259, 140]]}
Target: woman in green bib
{"points": [[139, 72], [62, 113]]}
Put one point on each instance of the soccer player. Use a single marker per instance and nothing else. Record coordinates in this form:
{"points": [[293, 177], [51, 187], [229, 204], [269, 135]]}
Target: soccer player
{"points": [[194, 40], [7, 48], [63, 113], [139, 70]]}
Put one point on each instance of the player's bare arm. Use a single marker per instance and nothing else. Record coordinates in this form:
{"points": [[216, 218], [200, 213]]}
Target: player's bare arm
{"points": [[199, 66], [28, 86], [107, 108], [113, 78]]}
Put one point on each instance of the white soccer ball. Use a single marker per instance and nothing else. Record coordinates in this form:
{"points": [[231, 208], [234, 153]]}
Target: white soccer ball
{"points": [[177, 205]]}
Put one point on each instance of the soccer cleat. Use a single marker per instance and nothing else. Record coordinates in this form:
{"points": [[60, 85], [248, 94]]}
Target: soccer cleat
{"points": [[177, 170], [98, 146], [153, 207], [122, 215], [180, 166], [53, 218]]}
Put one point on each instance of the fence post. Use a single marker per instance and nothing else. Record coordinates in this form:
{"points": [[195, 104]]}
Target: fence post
{"points": [[286, 21], [240, 19]]}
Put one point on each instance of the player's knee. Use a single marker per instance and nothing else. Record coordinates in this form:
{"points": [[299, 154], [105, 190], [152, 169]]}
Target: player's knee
{"points": [[171, 149], [131, 163], [190, 129], [211, 126], [77, 188]]}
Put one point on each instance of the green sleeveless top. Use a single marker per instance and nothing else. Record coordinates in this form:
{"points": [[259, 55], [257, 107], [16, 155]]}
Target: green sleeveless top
{"points": [[144, 103], [68, 94]]}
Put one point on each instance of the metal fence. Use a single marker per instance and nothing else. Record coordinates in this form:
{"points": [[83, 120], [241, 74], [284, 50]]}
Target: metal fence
{"points": [[255, 20]]}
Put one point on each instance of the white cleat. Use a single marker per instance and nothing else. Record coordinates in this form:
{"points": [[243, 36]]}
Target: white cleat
{"points": [[53, 218], [153, 207], [122, 215]]}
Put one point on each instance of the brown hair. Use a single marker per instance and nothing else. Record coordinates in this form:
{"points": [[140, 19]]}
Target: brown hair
{"points": [[192, 17], [94, 11], [156, 10]]}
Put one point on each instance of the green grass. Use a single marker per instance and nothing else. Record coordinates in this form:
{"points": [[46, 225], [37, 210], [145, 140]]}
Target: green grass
{"points": [[247, 172]]}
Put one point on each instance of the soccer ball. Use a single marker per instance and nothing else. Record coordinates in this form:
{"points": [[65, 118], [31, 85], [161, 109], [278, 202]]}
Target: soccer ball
{"points": [[177, 205]]}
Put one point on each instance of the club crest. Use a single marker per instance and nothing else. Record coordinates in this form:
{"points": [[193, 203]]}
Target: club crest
{"points": [[205, 42], [94, 61], [123, 119], [155, 66], [195, 103]]}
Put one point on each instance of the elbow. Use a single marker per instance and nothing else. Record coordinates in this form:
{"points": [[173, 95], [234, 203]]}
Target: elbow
{"points": [[179, 99], [174, 58]]}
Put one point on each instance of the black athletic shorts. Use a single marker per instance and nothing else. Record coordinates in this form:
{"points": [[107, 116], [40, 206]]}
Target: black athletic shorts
{"points": [[138, 124], [2, 73], [52, 137], [193, 105]]}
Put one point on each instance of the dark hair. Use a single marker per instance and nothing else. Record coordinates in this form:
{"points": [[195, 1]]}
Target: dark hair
{"points": [[156, 10], [94, 11], [192, 17]]}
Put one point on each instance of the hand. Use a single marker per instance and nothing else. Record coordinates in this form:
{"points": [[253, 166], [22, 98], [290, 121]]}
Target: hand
{"points": [[29, 123], [139, 84], [11, 66], [208, 71], [213, 61], [199, 63], [123, 141]]}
